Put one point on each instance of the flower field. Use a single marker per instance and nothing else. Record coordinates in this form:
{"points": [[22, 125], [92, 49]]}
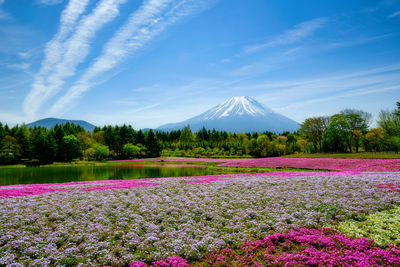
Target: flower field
{"points": [[185, 220], [333, 164], [219, 220]]}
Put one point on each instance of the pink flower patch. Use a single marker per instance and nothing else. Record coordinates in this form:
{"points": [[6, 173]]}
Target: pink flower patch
{"points": [[359, 165], [390, 187]]}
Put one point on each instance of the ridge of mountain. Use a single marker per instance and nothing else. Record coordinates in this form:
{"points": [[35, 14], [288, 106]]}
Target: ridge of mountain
{"points": [[51, 122]]}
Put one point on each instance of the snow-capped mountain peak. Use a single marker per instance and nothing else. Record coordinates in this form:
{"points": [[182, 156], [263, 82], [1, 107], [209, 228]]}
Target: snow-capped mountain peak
{"points": [[239, 114], [237, 105]]}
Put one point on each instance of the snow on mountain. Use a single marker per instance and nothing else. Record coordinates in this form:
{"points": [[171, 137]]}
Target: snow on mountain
{"points": [[238, 105], [238, 114]]}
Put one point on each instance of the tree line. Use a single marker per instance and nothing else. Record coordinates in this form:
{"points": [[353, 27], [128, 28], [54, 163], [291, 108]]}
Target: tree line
{"points": [[347, 131]]}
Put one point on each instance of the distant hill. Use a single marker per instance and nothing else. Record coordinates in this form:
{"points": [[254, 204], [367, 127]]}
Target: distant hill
{"points": [[239, 114], [51, 122]]}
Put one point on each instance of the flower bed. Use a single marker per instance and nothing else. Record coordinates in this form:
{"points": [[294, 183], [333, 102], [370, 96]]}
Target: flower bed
{"points": [[306, 247], [121, 225], [38, 189], [360, 165]]}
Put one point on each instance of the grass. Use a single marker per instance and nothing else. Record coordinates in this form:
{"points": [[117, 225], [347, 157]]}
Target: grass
{"points": [[360, 155]]}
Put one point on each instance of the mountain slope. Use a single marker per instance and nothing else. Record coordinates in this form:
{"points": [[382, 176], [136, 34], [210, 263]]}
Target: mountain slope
{"points": [[238, 114], [51, 122]]}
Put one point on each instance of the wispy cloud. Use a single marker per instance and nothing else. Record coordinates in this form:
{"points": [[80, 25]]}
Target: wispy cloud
{"points": [[26, 54], [153, 17], [19, 66], [395, 14], [305, 93], [356, 41], [49, 2], [64, 55], [297, 34]]}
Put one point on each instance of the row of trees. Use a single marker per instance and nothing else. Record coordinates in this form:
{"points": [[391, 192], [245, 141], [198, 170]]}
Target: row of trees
{"points": [[347, 131], [63, 143]]}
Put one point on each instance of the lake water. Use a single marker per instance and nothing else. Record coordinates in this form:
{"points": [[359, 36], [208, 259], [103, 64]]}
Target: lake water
{"points": [[60, 174]]}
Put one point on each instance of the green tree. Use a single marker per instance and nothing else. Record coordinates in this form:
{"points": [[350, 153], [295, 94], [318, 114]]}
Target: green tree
{"points": [[357, 126], [100, 152], [131, 151], [44, 147], [254, 148], [186, 135], [152, 145], [10, 151], [338, 133], [389, 122], [140, 138], [374, 139], [70, 148], [313, 129]]}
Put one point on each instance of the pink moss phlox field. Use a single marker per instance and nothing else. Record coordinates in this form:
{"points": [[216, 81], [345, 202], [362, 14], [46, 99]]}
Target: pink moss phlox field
{"points": [[360, 165], [160, 165], [307, 247], [38, 189]]}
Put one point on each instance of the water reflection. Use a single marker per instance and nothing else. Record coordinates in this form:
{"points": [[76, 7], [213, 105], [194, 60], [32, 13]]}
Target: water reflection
{"points": [[30, 175]]}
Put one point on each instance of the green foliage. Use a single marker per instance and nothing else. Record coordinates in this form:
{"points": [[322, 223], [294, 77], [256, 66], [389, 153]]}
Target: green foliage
{"points": [[389, 121], [70, 148], [383, 227], [152, 144], [131, 151], [313, 129], [100, 152]]}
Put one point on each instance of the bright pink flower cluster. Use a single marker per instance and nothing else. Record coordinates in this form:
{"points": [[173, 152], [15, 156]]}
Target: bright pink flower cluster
{"points": [[173, 261], [160, 165], [390, 187], [308, 247], [360, 165]]}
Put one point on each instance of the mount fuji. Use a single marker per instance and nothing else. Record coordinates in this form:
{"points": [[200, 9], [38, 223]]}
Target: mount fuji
{"points": [[239, 114]]}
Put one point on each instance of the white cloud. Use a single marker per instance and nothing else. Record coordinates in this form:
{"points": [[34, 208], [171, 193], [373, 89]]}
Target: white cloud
{"points": [[26, 54], [20, 66], [298, 33], [64, 54], [49, 2], [395, 14], [148, 21]]}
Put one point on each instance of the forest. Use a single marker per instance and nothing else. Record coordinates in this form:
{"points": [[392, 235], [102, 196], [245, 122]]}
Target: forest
{"points": [[347, 131]]}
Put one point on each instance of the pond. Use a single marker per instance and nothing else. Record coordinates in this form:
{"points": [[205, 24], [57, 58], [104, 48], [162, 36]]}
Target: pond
{"points": [[61, 174]]}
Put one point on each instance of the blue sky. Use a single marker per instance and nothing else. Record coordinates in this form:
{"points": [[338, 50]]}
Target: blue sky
{"points": [[152, 62]]}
